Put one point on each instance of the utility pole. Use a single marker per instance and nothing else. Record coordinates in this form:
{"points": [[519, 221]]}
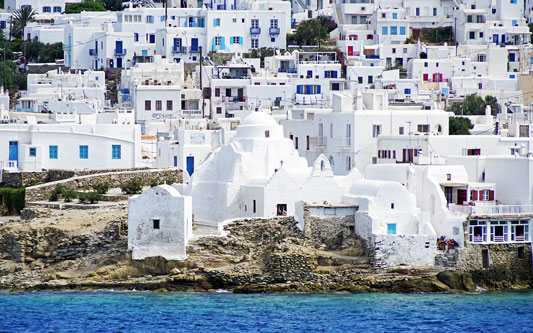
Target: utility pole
{"points": [[201, 85], [166, 14]]}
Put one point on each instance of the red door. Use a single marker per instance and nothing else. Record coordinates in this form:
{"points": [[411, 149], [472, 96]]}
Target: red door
{"points": [[350, 50], [425, 77]]}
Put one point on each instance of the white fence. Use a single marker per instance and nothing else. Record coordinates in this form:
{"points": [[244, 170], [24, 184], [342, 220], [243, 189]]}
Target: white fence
{"points": [[493, 210]]}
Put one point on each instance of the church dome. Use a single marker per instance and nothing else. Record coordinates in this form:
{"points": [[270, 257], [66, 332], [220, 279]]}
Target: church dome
{"points": [[259, 125]]}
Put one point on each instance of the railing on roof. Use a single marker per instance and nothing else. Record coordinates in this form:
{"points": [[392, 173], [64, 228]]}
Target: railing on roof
{"points": [[491, 210]]}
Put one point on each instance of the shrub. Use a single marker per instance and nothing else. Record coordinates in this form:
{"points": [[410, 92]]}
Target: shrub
{"points": [[101, 187], [54, 194], [154, 182], [171, 180], [94, 196], [68, 194], [13, 199], [82, 197], [132, 186]]}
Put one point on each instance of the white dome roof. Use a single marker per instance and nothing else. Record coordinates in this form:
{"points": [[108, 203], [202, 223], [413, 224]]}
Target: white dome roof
{"points": [[259, 119]]}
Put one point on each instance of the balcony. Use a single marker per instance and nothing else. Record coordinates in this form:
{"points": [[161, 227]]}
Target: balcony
{"points": [[287, 70], [319, 141], [372, 56], [234, 99], [120, 53], [273, 31], [93, 52], [179, 49], [255, 31], [492, 210]]}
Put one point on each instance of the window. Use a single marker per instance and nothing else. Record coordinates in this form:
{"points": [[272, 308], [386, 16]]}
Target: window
{"points": [[335, 86], [33, 152], [147, 105], [348, 163], [513, 1], [391, 228], [407, 91], [360, 79], [472, 35], [52, 152], [383, 15], [417, 11], [169, 105], [485, 195], [135, 37], [255, 24], [393, 30], [330, 74], [235, 40], [149, 19], [234, 20], [281, 209], [116, 152], [57, 9], [219, 109], [402, 30], [254, 206], [434, 11], [47, 9], [384, 30], [370, 79], [216, 22], [217, 92], [376, 130], [394, 16], [84, 152], [158, 105], [156, 223], [273, 23], [423, 128], [255, 43]]}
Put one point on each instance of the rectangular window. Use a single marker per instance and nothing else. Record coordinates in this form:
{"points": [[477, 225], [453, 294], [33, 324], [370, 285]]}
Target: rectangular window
{"points": [[147, 105], [370, 79], [273, 23], [135, 37], [84, 152], [255, 24], [169, 105], [393, 30], [158, 105], [391, 228], [384, 30], [402, 30], [434, 11], [52, 152], [216, 22], [255, 43], [394, 16], [33, 152], [149, 19], [423, 128], [376, 130], [348, 163], [57, 9], [417, 11], [116, 152], [156, 224]]}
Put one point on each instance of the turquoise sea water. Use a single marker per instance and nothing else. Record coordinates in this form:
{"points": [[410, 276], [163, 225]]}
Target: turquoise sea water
{"points": [[226, 312]]}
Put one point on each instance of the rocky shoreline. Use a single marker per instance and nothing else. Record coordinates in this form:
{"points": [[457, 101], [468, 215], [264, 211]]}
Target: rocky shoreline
{"points": [[74, 250]]}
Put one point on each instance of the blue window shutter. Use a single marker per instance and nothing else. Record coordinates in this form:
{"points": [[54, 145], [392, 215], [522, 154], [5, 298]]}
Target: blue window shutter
{"points": [[402, 30], [222, 44], [384, 30], [214, 22], [214, 44], [231, 40], [240, 40], [334, 74], [318, 89]]}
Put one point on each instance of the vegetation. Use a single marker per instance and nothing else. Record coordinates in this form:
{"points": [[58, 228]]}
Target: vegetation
{"points": [[40, 53], [89, 197], [56, 192], [409, 41], [260, 53], [101, 187], [460, 126], [437, 35], [87, 6], [21, 18], [68, 194], [475, 105], [13, 199], [309, 32], [112, 5], [132, 186]]}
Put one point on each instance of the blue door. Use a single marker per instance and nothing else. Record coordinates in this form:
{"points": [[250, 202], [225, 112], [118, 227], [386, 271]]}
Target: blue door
{"points": [[503, 39], [495, 38], [119, 62], [194, 44], [190, 165], [175, 161], [118, 46], [13, 150]]}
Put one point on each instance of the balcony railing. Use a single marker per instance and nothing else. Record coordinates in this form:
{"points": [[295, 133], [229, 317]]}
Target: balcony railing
{"points": [[255, 31], [274, 31], [341, 142], [233, 99], [120, 53], [492, 210], [178, 49], [287, 70], [372, 56], [93, 52], [319, 141]]}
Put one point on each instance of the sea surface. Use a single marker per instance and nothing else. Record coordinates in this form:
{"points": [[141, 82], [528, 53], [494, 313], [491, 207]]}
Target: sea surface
{"points": [[227, 312]]}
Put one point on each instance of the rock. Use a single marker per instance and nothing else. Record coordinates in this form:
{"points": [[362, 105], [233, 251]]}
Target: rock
{"points": [[457, 280]]}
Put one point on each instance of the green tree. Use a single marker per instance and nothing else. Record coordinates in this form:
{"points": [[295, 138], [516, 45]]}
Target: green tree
{"points": [[309, 32], [21, 18], [475, 105], [112, 5], [86, 6], [39, 52], [460, 126]]}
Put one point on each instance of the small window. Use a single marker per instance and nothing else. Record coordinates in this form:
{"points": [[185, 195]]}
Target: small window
{"points": [[156, 224], [267, 134], [33, 152], [254, 206], [448, 176], [158, 105], [391, 228], [169, 105], [116, 153], [147, 105], [52, 150], [392, 205], [281, 209], [84, 152]]}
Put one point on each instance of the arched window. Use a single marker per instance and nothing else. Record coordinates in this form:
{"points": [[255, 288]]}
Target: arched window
{"points": [[322, 165]]}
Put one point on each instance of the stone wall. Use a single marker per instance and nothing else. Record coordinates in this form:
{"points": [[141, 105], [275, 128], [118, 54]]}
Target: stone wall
{"points": [[403, 250], [505, 267], [115, 179], [20, 179]]}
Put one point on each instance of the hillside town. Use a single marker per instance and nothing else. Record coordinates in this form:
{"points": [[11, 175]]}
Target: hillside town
{"points": [[398, 131]]}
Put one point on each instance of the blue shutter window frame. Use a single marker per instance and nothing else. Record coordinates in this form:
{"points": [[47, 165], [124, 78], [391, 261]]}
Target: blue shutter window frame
{"points": [[384, 30], [393, 30], [391, 228], [33, 152], [52, 152], [222, 43], [84, 152], [116, 152], [402, 30], [241, 40]]}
